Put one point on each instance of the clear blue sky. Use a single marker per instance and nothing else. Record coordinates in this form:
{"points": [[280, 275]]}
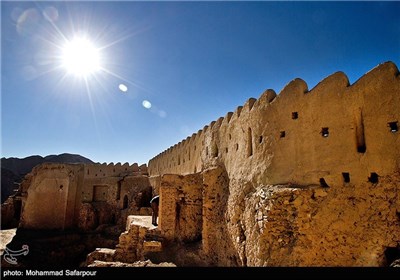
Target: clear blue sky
{"points": [[193, 61]]}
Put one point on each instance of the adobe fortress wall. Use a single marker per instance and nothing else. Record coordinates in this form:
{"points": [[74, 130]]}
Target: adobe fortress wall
{"points": [[302, 178], [331, 135]]}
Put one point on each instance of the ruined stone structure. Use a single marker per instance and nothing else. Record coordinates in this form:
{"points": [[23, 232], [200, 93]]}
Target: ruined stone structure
{"points": [[133, 245], [306, 177], [63, 196], [302, 178]]}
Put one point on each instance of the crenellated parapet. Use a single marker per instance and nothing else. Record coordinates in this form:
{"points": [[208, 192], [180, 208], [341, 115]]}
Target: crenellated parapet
{"points": [[320, 136], [97, 170]]}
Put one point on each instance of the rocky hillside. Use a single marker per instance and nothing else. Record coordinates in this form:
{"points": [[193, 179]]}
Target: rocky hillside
{"points": [[13, 170]]}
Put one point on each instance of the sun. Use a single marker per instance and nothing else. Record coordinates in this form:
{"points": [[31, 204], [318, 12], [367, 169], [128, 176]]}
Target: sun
{"points": [[80, 57]]}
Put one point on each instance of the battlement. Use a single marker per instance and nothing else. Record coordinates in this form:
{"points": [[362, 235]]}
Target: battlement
{"points": [[333, 134], [104, 170]]}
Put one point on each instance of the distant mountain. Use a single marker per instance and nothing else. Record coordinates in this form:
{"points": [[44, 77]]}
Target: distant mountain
{"points": [[13, 170], [7, 183]]}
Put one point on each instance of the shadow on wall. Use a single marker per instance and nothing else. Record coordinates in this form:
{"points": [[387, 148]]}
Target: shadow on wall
{"points": [[217, 245], [193, 209]]}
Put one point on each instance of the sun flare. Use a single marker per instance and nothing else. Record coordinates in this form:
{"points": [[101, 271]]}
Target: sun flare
{"points": [[80, 57]]}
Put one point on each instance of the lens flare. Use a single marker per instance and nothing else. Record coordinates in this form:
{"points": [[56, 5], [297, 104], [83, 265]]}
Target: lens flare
{"points": [[146, 104]]}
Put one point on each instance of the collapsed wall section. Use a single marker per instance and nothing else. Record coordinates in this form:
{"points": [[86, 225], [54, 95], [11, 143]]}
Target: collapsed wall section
{"points": [[181, 207], [192, 210]]}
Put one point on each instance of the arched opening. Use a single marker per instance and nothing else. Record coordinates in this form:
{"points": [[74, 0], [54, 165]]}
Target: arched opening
{"points": [[125, 205]]}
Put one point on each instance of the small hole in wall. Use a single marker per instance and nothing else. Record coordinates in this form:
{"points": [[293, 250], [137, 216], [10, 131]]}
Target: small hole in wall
{"points": [[230, 136], [237, 147], [195, 147], [282, 134], [61, 187], [206, 151], [226, 150], [260, 139], [393, 127], [346, 177], [323, 183], [325, 131], [374, 178], [295, 115]]}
